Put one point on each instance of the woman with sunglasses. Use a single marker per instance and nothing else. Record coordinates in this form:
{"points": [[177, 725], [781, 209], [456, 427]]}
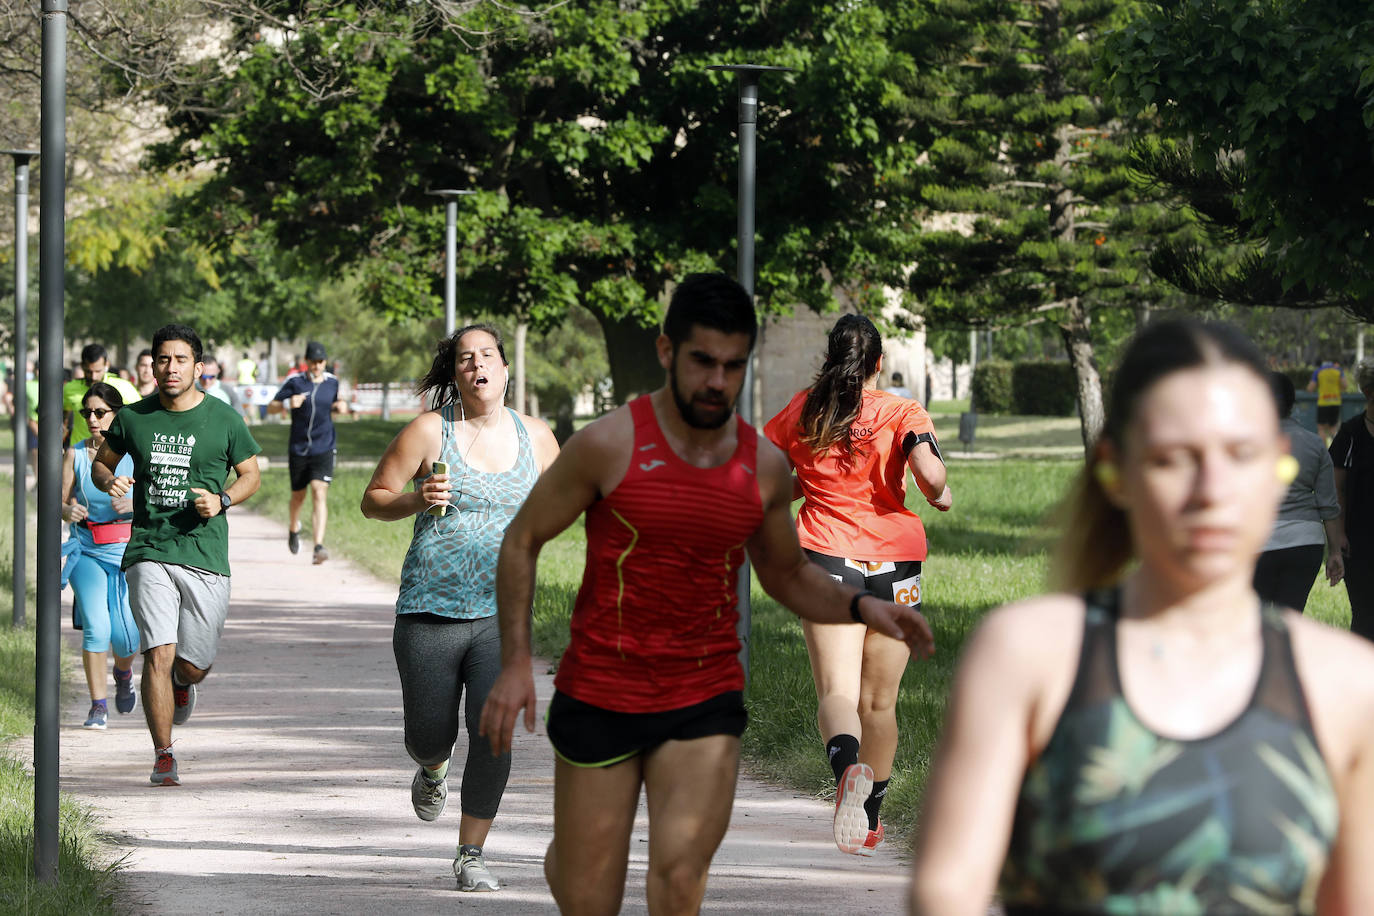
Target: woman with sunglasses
{"points": [[94, 549], [471, 461]]}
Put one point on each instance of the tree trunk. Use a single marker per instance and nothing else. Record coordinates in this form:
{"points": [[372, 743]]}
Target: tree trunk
{"points": [[630, 351], [1076, 330], [522, 330]]}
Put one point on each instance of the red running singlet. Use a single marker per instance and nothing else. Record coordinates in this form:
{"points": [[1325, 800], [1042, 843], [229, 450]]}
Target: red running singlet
{"points": [[653, 628]]}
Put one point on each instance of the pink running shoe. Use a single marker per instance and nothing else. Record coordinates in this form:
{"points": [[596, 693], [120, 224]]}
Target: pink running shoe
{"points": [[851, 820], [875, 837]]}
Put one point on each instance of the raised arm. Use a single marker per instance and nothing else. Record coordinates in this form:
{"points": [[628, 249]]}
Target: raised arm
{"points": [[410, 455], [594, 457], [802, 586]]}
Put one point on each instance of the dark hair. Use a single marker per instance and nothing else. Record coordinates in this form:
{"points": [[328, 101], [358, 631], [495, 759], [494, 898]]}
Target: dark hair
{"points": [[897, 378], [439, 380], [142, 353], [1096, 541], [851, 357], [178, 332], [710, 301], [93, 352], [1284, 393], [106, 392]]}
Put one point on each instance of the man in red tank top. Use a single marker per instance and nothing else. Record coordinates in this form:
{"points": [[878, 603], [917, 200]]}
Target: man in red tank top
{"points": [[676, 490]]}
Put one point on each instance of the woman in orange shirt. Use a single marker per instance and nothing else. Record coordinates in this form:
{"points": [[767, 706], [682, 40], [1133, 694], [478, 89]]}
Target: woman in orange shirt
{"points": [[850, 445]]}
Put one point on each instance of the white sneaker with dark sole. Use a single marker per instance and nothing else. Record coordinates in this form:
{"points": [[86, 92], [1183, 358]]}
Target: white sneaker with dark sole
{"points": [[851, 820], [471, 871]]}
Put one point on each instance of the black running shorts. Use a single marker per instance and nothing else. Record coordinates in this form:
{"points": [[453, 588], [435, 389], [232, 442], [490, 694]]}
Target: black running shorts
{"points": [[898, 581], [305, 468], [589, 736]]}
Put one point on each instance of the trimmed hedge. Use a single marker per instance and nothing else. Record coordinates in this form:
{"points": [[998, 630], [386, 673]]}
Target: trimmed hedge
{"points": [[1041, 388]]}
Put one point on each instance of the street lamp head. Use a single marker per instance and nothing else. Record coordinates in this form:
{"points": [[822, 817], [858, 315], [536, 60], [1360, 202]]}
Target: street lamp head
{"points": [[21, 156], [448, 193]]}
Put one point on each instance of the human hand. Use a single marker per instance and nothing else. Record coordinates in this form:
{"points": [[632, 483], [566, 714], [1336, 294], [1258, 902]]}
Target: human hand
{"points": [[435, 490], [944, 501], [297, 400], [1335, 567], [207, 504], [73, 512], [120, 486], [513, 691], [124, 505], [900, 622]]}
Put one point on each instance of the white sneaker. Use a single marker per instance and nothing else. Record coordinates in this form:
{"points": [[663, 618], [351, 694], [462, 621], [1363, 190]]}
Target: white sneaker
{"points": [[428, 796], [851, 820], [471, 870]]}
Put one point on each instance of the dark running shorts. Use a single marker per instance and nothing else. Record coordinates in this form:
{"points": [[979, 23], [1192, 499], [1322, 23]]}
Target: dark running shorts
{"points": [[589, 736], [305, 468], [1329, 415], [899, 581]]}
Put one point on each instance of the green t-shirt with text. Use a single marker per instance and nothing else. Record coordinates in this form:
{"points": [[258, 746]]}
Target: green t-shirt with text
{"points": [[173, 452]]}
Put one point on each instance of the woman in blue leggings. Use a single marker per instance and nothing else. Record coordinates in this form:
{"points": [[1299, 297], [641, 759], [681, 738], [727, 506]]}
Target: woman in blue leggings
{"points": [[99, 531]]}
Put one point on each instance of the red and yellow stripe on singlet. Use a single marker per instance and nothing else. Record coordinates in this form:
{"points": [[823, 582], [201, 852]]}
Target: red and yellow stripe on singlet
{"points": [[653, 627]]}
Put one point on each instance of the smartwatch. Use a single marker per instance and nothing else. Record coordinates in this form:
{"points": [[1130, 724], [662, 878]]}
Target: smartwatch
{"points": [[224, 501]]}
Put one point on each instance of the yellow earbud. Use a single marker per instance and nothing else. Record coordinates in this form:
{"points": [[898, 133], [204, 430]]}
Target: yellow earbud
{"points": [[1107, 475], [1287, 469]]}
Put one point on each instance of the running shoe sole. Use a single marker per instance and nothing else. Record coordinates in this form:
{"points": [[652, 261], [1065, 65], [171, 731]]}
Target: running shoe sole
{"points": [[851, 820]]}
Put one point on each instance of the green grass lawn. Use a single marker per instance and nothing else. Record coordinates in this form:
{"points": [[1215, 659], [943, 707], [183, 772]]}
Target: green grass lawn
{"points": [[361, 439], [87, 880]]}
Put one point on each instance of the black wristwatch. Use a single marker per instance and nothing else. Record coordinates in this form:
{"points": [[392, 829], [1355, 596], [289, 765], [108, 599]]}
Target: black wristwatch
{"points": [[224, 501], [854, 605]]}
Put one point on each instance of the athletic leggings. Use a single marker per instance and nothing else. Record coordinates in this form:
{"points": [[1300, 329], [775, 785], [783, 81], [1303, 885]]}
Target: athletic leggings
{"points": [[436, 656], [1285, 576], [102, 627]]}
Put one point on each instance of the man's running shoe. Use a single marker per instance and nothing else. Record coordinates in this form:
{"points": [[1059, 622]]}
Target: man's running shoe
{"points": [[851, 820], [293, 541], [164, 770], [98, 714], [321, 554], [428, 796], [471, 870], [184, 696], [126, 698], [875, 837]]}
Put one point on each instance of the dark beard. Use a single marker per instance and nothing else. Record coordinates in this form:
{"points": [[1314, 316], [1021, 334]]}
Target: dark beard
{"points": [[688, 410]]}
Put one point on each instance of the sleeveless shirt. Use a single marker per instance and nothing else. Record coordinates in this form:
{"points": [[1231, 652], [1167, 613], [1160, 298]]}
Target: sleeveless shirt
{"points": [[1113, 818], [450, 568], [653, 627]]}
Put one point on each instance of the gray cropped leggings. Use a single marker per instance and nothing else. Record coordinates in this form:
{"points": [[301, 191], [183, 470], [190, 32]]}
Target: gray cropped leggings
{"points": [[436, 656]]}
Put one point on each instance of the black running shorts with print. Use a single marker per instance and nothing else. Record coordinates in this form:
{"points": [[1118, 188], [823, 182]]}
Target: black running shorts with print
{"points": [[305, 468], [589, 736], [1329, 415], [898, 581]]}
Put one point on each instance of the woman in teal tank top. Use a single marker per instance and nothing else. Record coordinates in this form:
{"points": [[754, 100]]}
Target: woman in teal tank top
{"points": [[446, 637], [1153, 740]]}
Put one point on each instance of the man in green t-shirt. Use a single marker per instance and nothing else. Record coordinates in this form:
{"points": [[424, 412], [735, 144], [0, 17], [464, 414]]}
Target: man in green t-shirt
{"points": [[95, 365], [183, 444]]}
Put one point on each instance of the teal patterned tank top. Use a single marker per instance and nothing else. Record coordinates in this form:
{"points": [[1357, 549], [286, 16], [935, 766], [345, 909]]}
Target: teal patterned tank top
{"points": [[1114, 819], [450, 568]]}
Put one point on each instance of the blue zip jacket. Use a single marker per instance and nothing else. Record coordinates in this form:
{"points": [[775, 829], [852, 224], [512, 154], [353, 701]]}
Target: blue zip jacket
{"points": [[312, 424]]}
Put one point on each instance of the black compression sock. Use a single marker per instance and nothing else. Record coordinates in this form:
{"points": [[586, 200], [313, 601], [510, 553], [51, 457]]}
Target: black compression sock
{"points": [[842, 750], [875, 802]]}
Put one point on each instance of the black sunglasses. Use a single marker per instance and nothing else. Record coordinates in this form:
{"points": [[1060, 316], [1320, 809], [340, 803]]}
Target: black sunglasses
{"points": [[97, 412]]}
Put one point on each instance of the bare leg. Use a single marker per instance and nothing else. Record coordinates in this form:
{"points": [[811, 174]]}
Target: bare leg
{"points": [[837, 654], [593, 813], [472, 831], [690, 787], [884, 660], [319, 510], [294, 510], [94, 663], [156, 687]]}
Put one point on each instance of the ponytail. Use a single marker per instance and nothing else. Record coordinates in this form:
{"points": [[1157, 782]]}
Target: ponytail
{"points": [[832, 405]]}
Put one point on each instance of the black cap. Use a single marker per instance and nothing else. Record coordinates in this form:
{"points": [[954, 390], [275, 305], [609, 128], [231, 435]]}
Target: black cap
{"points": [[314, 351]]}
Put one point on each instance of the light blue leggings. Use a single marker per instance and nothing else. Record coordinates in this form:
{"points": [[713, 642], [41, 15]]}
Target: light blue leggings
{"points": [[102, 627]]}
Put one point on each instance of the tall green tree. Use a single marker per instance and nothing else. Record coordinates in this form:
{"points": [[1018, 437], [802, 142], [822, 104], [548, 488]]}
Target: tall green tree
{"points": [[1271, 104], [1037, 214], [604, 151]]}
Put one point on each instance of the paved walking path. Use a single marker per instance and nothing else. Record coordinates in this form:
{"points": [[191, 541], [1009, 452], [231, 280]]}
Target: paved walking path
{"points": [[295, 785]]}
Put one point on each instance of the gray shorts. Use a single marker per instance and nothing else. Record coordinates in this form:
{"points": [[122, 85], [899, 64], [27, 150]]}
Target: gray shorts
{"points": [[179, 605]]}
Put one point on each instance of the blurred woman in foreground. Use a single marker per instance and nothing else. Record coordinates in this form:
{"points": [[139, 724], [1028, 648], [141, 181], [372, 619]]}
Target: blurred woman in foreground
{"points": [[1156, 740]]}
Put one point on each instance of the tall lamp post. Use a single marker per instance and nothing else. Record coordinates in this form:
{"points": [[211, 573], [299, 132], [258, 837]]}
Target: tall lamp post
{"points": [[748, 81], [21, 361], [51, 258], [450, 196]]}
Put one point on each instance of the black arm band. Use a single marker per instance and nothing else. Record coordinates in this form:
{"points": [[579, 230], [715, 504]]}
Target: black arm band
{"points": [[854, 605], [911, 440]]}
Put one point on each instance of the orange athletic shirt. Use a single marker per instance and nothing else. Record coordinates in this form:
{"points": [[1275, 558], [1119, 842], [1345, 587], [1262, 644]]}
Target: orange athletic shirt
{"points": [[856, 508], [653, 627]]}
